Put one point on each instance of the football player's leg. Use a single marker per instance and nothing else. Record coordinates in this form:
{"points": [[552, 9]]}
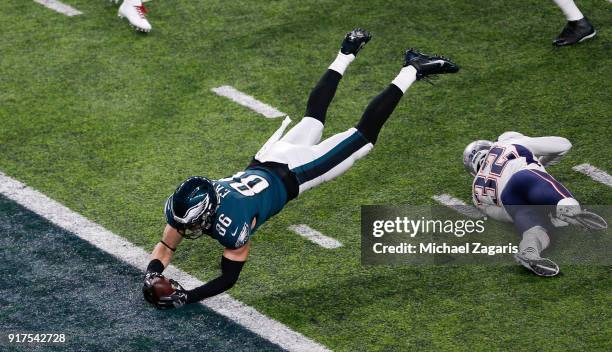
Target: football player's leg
{"points": [[306, 132], [531, 222], [310, 129], [337, 154], [578, 27], [534, 241], [533, 188], [380, 108], [416, 66], [331, 158], [546, 190], [542, 193], [323, 93], [566, 207], [570, 10], [530, 191]]}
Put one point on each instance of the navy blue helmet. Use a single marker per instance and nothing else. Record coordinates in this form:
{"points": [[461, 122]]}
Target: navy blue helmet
{"points": [[191, 208]]}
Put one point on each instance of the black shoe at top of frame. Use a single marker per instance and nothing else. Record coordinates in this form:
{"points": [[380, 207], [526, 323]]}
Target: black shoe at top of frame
{"points": [[575, 32], [429, 64], [354, 41]]}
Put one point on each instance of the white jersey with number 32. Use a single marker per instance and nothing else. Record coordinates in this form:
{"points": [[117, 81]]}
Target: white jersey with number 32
{"points": [[512, 153]]}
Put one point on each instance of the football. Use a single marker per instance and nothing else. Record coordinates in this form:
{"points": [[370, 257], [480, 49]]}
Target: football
{"points": [[162, 287]]}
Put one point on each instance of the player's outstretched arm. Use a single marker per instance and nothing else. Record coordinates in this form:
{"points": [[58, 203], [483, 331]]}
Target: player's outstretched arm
{"points": [[160, 259], [164, 250], [549, 150], [232, 262]]}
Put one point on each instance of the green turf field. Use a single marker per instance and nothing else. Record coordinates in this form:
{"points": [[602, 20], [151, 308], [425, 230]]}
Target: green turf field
{"points": [[109, 121]]}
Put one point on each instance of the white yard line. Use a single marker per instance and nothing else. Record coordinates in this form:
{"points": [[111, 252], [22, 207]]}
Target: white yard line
{"points": [[594, 173], [248, 101], [59, 7], [315, 236], [115, 245], [458, 205]]}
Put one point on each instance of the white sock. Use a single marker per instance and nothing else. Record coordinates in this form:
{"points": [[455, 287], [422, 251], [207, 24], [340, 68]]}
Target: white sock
{"points": [[535, 240], [342, 62], [570, 10], [405, 78]]}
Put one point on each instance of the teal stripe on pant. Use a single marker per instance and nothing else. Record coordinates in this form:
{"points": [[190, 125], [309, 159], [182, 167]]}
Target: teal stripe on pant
{"points": [[331, 159]]}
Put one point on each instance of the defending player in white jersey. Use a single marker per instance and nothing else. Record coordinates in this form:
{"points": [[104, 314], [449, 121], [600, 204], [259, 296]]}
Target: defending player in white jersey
{"points": [[511, 184]]}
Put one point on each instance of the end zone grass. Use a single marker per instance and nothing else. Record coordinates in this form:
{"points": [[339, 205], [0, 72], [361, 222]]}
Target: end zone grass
{"points": [[109, 121]]}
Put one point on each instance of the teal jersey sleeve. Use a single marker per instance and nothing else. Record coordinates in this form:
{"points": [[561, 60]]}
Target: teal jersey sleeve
{"points": [[251, 194]]}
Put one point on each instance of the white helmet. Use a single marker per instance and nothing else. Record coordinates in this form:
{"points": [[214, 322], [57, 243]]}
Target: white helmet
{"points": [[474, 155]]}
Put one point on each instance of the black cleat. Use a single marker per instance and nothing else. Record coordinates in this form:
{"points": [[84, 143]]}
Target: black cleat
{"points": [[575, 32], [354, 41], [429, 65]]}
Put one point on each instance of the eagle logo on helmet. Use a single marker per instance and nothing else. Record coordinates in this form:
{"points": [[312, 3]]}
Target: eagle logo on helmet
{"points": [[194, 212], [192, 206]]}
